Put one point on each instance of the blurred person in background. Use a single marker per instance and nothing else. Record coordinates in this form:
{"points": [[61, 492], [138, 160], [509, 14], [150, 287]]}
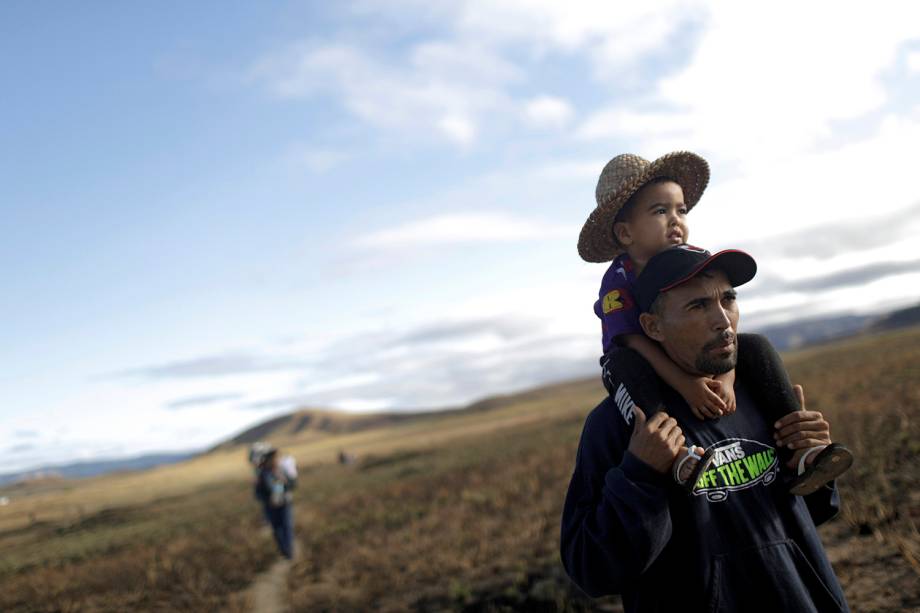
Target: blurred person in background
{"points": [[257, 453], [276, 478]]}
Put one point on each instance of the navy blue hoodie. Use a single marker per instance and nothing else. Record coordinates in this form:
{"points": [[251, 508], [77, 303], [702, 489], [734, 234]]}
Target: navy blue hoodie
{"points": [[740, 542]]}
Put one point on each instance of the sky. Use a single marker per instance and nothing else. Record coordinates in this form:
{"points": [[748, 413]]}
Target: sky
{"points": [[218, 212]]}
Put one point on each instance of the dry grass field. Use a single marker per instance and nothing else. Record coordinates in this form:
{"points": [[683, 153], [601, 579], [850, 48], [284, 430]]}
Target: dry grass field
{"points": [[458, 512]]}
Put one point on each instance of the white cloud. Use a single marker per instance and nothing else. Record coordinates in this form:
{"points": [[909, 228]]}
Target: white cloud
{"points": [[761, 86], [453, 82], [462, 228], [634, 125], [548, 111], [813, 191], [614, 35], [316, 161], [913, 62], [364, 405], [887, 293], [345, 381], [434, 87], [458, 129], [463, 62]]}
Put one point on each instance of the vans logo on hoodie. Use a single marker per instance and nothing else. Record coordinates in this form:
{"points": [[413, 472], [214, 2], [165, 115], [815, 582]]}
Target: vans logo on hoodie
{"points": [[738, 463]]}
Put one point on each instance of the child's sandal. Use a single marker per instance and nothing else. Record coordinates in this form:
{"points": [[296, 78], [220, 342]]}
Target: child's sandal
{"points": [[832, 461], [703, 462]]}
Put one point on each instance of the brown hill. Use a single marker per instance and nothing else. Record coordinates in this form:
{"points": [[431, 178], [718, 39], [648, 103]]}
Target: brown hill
{"points": [[309, 423], [303, 422], [902, 318]]}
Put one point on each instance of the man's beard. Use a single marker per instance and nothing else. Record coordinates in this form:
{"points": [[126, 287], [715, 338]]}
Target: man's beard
{"points": [[717, 366]]}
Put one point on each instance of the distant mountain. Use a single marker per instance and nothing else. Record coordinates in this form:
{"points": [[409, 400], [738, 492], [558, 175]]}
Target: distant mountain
{"points": [[319, 421], [804, 332], [898, 319], [77, 470], [328, 422], [323, 421], [797, 334]]}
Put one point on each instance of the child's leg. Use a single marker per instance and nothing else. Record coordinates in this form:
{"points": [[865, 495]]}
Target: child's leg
{"points": [[623, 369], [760, 366], [629, 377]]}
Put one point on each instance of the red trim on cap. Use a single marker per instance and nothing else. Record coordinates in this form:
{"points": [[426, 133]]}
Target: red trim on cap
{"points": [[697, 270]]}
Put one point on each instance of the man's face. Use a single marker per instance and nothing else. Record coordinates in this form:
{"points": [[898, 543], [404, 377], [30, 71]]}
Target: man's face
{"points": [[698, 323]]}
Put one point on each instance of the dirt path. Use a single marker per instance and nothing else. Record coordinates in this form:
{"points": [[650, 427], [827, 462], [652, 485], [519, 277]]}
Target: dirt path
{"points": [[268, 593]]}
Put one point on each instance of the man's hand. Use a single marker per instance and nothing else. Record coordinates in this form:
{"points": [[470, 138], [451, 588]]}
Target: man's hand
{"points": [[704, 402], [801, 429], [655, 441]]}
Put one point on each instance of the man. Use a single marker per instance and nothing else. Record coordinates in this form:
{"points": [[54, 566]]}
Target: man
{"points": [[739, 541]]}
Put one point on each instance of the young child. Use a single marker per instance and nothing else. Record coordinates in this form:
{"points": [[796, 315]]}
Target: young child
{"points": [[641, 210]]}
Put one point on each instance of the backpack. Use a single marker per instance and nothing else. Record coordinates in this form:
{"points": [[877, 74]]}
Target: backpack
{"points": [[261, 490]]}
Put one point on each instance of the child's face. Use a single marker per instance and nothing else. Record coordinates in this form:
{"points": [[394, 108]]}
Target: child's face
{"points": [[656, 221]]}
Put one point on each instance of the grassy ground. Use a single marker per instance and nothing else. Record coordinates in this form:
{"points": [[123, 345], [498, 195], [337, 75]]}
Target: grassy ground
{"points": [[456, 513], [870, 390], [452, 527], [175, 554]]}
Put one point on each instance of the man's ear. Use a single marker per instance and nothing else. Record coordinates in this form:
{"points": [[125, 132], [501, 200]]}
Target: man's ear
{"points": [[621, 233], [651, 325]]}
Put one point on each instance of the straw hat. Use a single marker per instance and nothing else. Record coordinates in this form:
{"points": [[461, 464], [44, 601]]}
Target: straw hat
{"points": [[622, 177]]}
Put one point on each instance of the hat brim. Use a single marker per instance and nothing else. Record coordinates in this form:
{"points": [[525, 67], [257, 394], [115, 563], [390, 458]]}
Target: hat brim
{"points": [[737, 265], [596, 242]]}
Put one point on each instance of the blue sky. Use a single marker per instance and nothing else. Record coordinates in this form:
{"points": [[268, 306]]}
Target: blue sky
{"points": [[218, 212]]}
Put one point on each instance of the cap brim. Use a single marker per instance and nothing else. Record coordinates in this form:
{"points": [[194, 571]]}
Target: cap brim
{"points": [[737, 265]]}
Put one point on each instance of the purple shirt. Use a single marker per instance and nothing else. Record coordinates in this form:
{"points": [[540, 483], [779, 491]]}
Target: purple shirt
{"points": [[615, 305]]}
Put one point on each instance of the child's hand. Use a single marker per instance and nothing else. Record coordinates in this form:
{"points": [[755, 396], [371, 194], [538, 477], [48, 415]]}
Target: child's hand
{"points": [[704, 402], [725, 392], [728, 397]]}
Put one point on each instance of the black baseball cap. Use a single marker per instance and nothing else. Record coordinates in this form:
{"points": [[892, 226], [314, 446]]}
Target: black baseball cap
{"points": [[676, 265]]}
